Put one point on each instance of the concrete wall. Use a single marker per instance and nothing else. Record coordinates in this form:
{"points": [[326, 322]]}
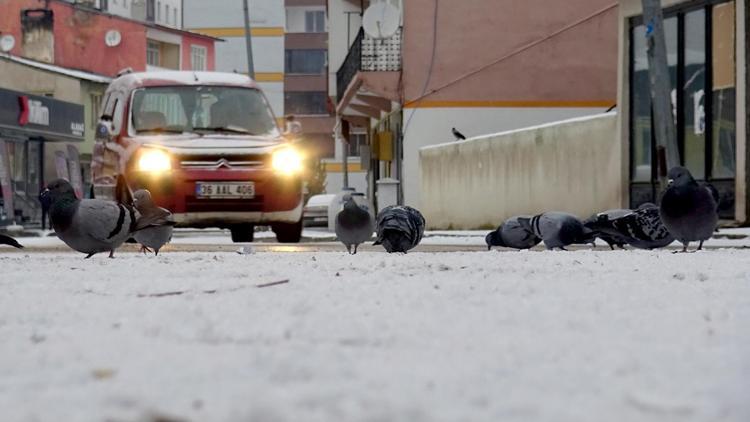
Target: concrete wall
{"points": [[431, 126], [482, 181]]}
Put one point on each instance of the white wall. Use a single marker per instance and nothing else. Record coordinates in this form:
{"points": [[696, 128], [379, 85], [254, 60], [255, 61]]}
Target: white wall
{"points": [[571, 166], [295, 17], [431, 126], [335, 182], [229, 13]]}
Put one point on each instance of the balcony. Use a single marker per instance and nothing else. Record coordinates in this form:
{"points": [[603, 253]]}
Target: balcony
{"points": [[367, 55]]}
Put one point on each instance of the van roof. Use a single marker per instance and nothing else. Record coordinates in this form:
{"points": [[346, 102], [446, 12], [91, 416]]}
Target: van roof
{"points": [[128, 81]]}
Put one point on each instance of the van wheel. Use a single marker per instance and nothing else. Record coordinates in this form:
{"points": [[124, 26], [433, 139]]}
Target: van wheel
{"points": [[288, 232], [242, 233]]}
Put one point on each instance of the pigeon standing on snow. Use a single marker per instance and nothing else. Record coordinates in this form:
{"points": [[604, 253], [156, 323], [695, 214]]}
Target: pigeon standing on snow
{"points": [[459, 136], [641, 228], [354, 225], [90, 226], [7, 240], [511, 234], [156, 223], [688, 209], [399, 228], [612, 239], [558, 229]]}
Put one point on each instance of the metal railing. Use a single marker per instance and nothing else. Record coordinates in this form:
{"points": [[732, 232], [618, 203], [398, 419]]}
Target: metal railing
{"points": [[369, 55]]}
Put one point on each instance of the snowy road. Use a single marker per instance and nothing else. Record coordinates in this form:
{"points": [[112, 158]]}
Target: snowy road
{"points": [[519, 336]]}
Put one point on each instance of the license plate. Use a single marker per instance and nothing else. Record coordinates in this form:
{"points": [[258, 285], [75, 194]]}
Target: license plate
{"points": [[225, 190]]}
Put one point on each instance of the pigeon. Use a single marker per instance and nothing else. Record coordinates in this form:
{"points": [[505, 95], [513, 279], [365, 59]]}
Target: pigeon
{"points": [[354, 225], [155, 223], [399, 228], [558, 229], [7, 240], [612, 239], [90, 226], [688, 209], [641, 228], [511, 234], [459, 136]]}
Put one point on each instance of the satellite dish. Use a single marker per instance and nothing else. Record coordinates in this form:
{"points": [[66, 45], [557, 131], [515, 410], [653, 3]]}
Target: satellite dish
{"points": [[381, 20], [7, 42], [112, 38]]}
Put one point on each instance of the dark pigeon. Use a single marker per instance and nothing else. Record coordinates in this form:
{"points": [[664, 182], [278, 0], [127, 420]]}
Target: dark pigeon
{"points": [[155, 223], [89, 226], [399, 228], [611, 239], [511, 234], [354, 225], [459, 136], [641, 228], [558, 229], [688, 209], [7, 240]]}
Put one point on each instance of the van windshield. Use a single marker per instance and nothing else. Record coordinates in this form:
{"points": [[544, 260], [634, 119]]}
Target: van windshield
{"points": [[202, 109]]}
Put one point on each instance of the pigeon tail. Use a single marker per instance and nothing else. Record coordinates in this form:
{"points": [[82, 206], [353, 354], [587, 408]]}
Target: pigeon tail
{"points": [[7, 240]]}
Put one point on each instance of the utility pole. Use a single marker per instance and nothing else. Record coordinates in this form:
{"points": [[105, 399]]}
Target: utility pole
{"points": [[661, 98], [248, 41]]}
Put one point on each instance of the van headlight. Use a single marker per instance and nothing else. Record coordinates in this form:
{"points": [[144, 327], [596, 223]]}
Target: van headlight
{"points": [[287, 161], [154, 160]]}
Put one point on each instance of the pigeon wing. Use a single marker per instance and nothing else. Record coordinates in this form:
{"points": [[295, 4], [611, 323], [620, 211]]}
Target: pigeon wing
{"points": [[104, 220], [155, 218]]}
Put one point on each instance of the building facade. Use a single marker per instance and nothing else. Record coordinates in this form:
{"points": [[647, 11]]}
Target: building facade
{"points": [[707, 58], [449, 66]]}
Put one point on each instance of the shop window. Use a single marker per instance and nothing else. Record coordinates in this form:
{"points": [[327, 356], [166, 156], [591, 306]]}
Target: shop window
{"points": [[723, 92], [96, 102], [356, 141]]}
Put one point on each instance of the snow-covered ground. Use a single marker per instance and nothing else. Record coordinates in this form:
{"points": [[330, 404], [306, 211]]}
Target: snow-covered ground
{"points": [[482, 336]]}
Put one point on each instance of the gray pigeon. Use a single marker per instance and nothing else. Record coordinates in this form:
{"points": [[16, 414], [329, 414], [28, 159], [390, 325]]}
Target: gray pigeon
{"points": [[558, 229], [688, 209], [90, 226], [641, 228], [399, 228], [156, 223], [511, 234], [7, 240], [612, 239], [354, 225]]}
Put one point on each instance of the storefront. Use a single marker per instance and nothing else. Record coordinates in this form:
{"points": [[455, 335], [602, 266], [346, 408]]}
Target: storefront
{"points": [[705, 54], [27, 124]]}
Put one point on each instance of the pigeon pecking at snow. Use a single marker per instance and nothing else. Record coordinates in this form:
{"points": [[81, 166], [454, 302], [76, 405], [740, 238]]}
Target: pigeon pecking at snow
{"points": [[688, 209], [558, 229], [7, 240], [354, 225], [612, 239], [511, 234], [155, 223], [399, 228], [90, 226], [641, 228]]}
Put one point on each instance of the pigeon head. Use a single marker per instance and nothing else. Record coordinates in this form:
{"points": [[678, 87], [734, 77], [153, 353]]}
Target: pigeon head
{"points": [[680, 176], [494, 238], [57, 190], [142, 198]]}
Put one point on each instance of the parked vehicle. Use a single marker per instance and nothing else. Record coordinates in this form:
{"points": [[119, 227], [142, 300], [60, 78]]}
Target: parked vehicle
{"points": [[207, 146], [316, 211]]}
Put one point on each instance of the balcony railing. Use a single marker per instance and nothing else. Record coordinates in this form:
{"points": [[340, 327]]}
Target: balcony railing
{"points": [[368, 54]]}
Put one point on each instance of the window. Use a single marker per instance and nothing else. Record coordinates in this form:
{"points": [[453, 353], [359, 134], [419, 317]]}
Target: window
{"points": [[166, 13], [198, 57], [701, 59], [356, 141], [153, 53], [305, 103], [158, 11], [201, 109], [315, 21], [310, 62], [96, 108], [174, 21]]}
